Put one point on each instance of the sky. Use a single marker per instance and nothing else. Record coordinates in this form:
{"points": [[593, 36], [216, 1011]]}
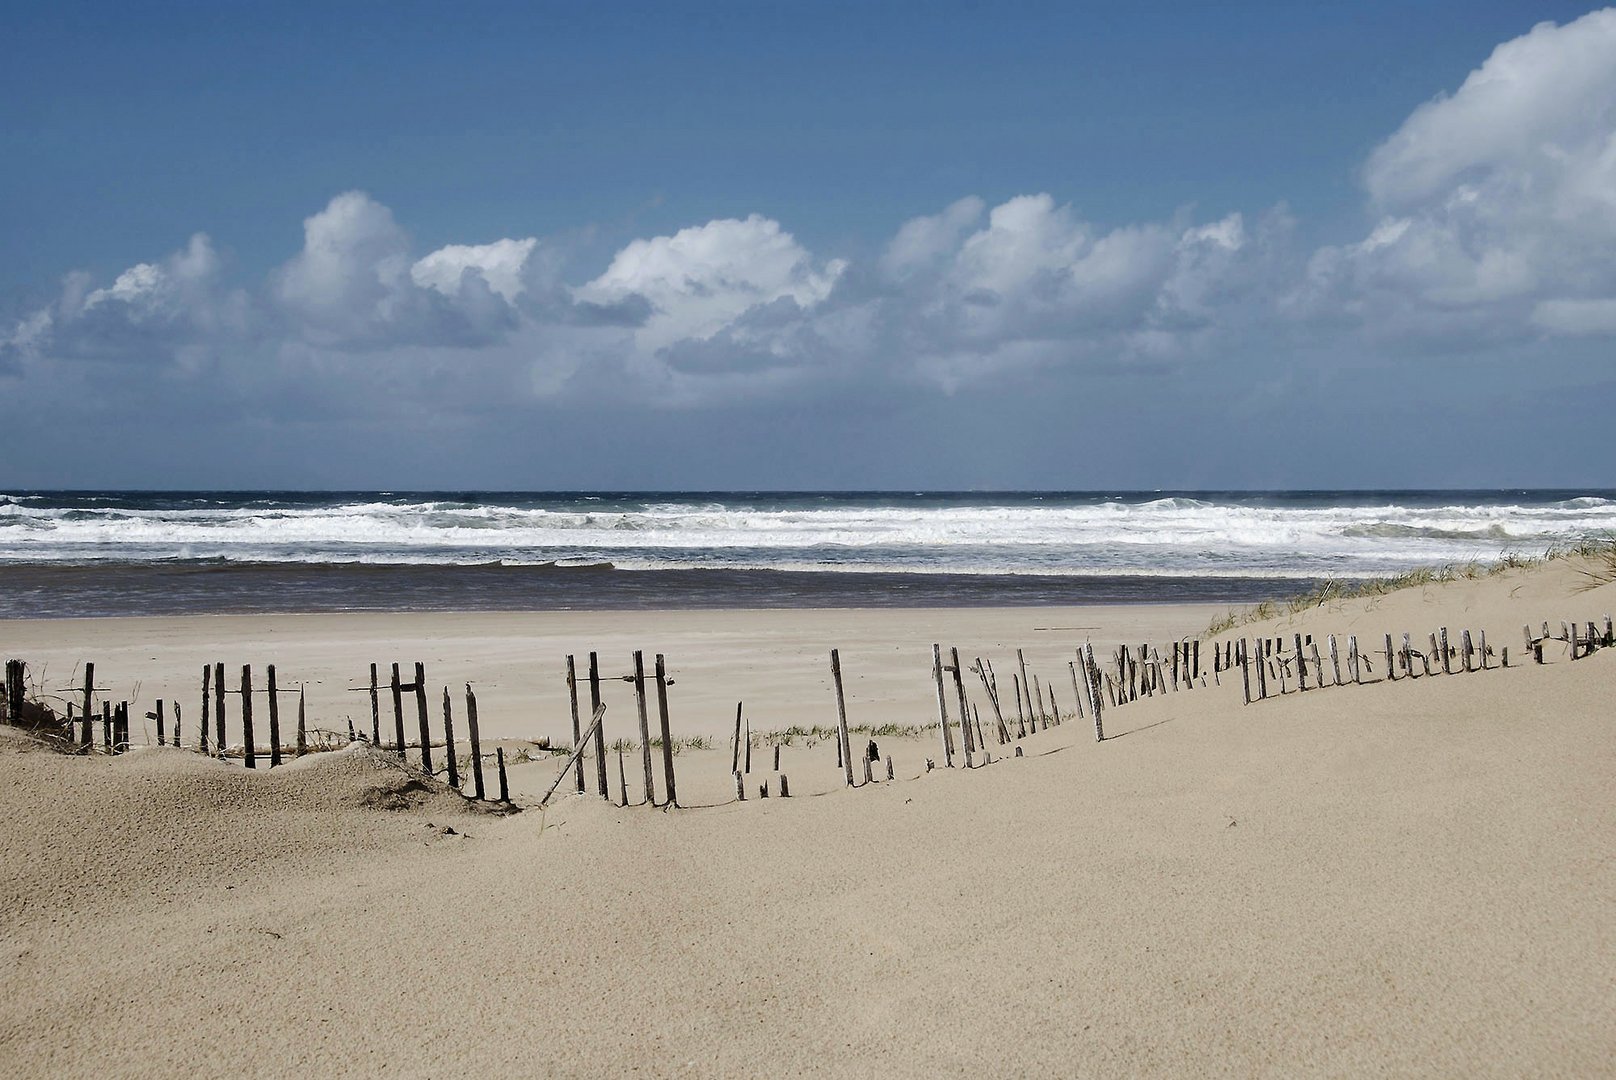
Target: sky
{"points": [[807, 246]]}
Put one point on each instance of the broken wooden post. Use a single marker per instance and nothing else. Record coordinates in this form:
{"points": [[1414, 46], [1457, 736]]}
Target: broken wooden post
{"points": [[504, 787], [448, 740], [477, 746], [740, 786], [106, 726], [1301, 665], [251, 756], [398, 712], [1335, 662], [274, 719], [841, 717], [420, 716], [622, 777], [1318, 664], [1352, 660], [1391, 661], [577, 730], [176, 724], [1482, 648], [942, 704], [162, 725], [746, 758], [667, 734], [1466, 651], [302, 725], [735, 743], [1261, 662], [1447, 662], [785, 787]]}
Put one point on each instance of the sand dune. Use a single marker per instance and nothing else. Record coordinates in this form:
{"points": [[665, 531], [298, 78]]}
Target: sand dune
{"points": [[1403, 879]]}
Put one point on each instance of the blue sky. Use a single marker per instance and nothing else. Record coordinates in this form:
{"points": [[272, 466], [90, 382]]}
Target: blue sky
{"points": [[772, 245]]}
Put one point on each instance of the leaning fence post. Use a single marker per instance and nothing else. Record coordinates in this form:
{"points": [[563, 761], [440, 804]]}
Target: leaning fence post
{"points": [[302, 725], [967, 737], [504, 788], [942, 704], [845, 745]]}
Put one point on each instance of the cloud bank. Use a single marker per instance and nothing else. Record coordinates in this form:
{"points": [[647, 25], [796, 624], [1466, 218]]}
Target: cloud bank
{"points": [[1491, 217]]}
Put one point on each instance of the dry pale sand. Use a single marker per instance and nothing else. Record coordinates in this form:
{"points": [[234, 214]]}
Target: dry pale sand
{"points": [[1394, 879]]}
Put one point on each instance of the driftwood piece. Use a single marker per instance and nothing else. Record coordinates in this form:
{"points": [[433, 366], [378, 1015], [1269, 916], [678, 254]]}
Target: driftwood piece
{"points": [[577, 752]]}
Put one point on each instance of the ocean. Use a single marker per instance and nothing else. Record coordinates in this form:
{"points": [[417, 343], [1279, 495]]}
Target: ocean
{"points": [[122, 552]]}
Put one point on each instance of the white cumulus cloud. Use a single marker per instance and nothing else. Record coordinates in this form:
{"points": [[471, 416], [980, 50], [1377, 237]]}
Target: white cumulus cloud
{"points": [[499, 264], [701, 280], [1496, 205]]}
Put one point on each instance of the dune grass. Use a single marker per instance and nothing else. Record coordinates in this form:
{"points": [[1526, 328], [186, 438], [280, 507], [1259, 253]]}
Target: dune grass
{"points": [[1600, 551]]}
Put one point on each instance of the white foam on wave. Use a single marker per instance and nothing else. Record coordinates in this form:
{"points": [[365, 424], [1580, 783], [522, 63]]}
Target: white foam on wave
{"points": [[1167, 535]]}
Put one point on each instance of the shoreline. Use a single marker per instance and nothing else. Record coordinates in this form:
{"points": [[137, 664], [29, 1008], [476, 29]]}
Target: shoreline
{"points": [[163, 589]]}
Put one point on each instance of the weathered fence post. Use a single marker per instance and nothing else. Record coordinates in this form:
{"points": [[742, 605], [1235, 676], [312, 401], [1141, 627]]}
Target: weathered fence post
{"points": [[968, 738], [841, 716], [577, 730], [219, 743], [420, 716], [274, 718], [942, 704], [398, 711], [375, 711], [477, 746], [302, 724], [202, 732], [599, 718], [89, 691], [448, 740], [645, 727], [667, 734], [251, 759]]}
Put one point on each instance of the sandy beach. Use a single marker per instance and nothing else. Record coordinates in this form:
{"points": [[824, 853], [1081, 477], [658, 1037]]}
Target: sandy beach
{"points": [[1398, 878]]}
